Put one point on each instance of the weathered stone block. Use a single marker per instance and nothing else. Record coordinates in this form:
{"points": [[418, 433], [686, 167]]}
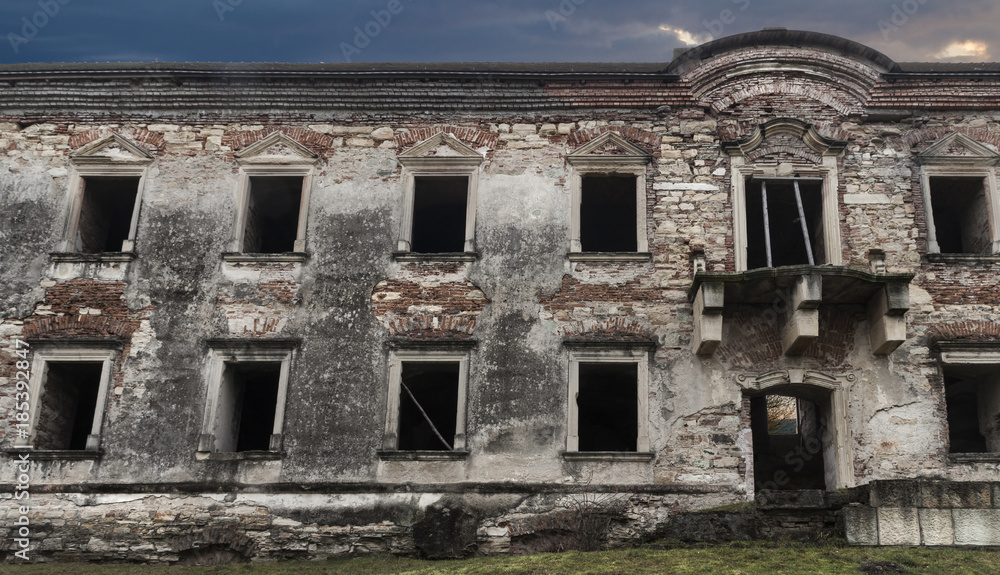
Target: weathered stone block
{"points": [[894, 493], [860, 525], [936, 527], [898, 526], [797, 499], [445, 532], [951, 494], [977, 526]]}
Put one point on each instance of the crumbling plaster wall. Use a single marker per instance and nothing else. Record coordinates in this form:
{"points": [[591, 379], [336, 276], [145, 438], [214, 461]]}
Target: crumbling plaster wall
{"points": [[179, 293], [535, 297]]}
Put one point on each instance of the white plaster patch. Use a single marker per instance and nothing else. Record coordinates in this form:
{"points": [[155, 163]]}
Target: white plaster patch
{"points": [[142, 338], [685, 186], [866, 199]]}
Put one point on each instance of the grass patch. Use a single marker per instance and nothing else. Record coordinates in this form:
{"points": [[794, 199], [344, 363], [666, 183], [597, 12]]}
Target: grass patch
{"points": [[744, 558]]}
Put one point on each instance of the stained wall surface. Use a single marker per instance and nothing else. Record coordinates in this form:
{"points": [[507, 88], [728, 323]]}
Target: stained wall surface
{"points": [[518, 305]]}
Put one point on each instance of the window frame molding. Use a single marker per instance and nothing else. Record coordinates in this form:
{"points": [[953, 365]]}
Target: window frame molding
{"points": [[639, 354], [414, 168], [633, 161], [390, 435], [838, 464], [248, 170], [964, 353], [222, 352], [94, 168], [939, 169], [416, 163], [827, 171], [67, 352]]}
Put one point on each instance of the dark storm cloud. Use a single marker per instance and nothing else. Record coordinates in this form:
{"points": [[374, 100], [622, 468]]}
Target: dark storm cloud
{"points": [[454, 30]]}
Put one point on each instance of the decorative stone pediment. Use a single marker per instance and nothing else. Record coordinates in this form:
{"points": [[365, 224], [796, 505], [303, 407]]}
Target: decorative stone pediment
{"points": [[276, 148], [441, 149], [610, 149], [785, 135], [112, 149], [785, 377], [957, 149]]}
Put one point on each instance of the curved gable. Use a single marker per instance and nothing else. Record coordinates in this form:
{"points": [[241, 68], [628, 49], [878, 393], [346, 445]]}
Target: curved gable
{"points": [[835, 72]]}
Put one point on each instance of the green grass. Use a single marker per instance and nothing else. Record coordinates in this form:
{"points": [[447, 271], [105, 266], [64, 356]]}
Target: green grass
{"points": [[760, 558]]}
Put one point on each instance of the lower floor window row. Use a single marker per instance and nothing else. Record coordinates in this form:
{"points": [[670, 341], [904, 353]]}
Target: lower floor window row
{"points": [[607, 402]]}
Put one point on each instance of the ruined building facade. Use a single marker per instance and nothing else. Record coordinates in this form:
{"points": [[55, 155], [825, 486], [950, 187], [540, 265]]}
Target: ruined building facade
{"points": [[274, 311]]}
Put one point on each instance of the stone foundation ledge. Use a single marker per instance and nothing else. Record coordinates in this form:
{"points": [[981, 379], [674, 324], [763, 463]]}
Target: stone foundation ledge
{"points": [[234, 527], [924, 512]]}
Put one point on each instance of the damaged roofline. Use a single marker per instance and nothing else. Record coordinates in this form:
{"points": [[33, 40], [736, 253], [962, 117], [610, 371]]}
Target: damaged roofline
{"points": [[442, 70]]}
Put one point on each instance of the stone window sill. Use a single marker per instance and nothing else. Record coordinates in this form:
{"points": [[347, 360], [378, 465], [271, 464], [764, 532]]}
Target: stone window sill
{"points": [[633, 456], [974, 457], [81, 258], [240, 456], [437, 257], [55, 454], [609, 257], [963, 258], [391, 455], [285, 257]]}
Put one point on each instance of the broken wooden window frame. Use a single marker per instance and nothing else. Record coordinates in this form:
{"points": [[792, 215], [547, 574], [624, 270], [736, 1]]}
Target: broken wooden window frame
{"points": [[801, 219], [586, 353], [46, 353], [827, 173], [390, 437], [223, 352]]}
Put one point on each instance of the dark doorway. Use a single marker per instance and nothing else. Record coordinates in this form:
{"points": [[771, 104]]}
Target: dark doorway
{"points": [[787, 443]]}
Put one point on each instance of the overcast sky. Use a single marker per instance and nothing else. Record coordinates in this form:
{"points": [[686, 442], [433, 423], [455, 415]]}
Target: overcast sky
{"points": [[472, 30]]}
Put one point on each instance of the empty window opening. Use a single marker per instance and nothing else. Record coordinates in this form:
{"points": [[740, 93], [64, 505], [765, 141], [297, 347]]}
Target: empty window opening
{"points": [[608, 407], [782, 415], [790, 230], [788, 448], [972, 400], [272, 214], [961, 222], [428, 405], [106, 213], [67, 405], [439, 212], [247, 405], [608, 214]]}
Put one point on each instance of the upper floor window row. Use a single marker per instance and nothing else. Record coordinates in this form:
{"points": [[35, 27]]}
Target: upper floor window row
{"points": [[784, 213], [440, 176]]}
